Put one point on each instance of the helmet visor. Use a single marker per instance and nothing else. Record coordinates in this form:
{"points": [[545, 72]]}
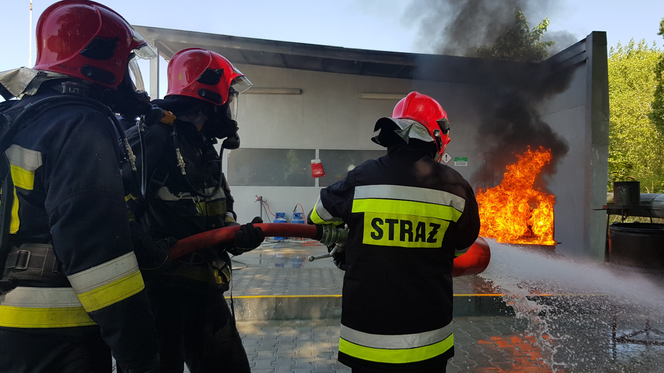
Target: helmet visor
{"points": [[144, 51], [232, 104], [240, 84], [135, 75]]}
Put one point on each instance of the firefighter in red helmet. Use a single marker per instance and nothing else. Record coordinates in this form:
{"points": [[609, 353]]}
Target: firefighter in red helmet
{"points": [[408, 216], [71, 294], [187, 194]]}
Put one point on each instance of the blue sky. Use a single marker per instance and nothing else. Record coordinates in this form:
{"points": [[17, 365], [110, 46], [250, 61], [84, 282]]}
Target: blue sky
{"points": [[364, 24]]}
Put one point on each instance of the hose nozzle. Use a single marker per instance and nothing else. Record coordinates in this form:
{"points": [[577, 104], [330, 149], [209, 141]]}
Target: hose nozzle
{"points": [[333, 235]]}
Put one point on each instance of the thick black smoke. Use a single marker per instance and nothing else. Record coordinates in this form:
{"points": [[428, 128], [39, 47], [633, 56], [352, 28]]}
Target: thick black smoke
{"points": [[459, 27], [510, 123], [513, 127]]}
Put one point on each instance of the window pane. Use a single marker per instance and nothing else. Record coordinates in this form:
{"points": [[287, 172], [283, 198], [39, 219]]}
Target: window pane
{"points": [[337, 163], [270, 167]]}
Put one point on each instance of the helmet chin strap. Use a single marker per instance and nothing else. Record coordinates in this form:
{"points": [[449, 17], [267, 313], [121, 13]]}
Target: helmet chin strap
{"points": [[439, 156]]}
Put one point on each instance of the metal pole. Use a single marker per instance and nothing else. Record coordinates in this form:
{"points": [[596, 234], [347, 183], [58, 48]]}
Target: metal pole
{"points": [[30, 38]]}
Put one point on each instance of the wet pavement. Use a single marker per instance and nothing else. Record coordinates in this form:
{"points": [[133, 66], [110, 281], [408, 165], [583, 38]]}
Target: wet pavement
{"points": [[288, 313], [482, 344]]}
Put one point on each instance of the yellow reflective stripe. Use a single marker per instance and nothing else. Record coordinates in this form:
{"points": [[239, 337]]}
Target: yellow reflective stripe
{"points": [[114, 292], [104, 273], [320, 215], [26, 307], [408, 193], [17, 317], [406, 208], [315, 218], [22, 178], [23, 163], [396, 356], [400, 230], [108, 283], [15, 222]]}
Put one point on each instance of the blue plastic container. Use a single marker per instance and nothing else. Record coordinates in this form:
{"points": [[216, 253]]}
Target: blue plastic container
{"points": [[280, 218]]}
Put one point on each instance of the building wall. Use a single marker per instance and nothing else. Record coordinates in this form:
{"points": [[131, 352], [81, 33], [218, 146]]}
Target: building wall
{"points": [[329, 114], [566, 115]]}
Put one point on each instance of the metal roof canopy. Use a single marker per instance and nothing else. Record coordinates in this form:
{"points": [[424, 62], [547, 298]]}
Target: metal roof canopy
{"points": [[269, 53]]}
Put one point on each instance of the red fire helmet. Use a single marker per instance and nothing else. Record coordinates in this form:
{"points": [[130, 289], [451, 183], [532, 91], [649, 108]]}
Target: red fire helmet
{"points": [[204, 74], [87, 40], [418, 116]]}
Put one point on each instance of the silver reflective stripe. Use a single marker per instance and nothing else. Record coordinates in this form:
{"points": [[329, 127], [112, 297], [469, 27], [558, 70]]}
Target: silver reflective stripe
{"points": [[26, 159], [390, 342], [29, 297], [104, 274], [323, 213], [407, 193], [165, 195]]}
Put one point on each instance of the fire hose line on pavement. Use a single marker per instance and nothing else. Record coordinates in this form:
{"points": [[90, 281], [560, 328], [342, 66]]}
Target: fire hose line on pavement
{"points": [[473, 262]]}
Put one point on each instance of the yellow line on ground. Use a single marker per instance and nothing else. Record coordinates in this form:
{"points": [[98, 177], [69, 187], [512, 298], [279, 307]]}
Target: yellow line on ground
{"points": [[285, 296], [456, 295]]}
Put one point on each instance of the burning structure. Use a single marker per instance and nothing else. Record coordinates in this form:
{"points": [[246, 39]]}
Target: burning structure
{"points": [[514, 211], [319, 102]]}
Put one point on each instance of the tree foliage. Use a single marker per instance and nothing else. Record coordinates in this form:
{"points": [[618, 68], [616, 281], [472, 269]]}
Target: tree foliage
{"points": [[636, 148], [518, 42], [657, 114]]}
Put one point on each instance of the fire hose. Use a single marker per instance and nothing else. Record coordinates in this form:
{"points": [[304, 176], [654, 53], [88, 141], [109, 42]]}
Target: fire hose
{"points": [[473, 262]]}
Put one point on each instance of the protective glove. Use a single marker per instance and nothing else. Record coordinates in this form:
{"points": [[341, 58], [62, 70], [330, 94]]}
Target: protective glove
{"points": [[339, 257], [247, 239], [152, 255]]}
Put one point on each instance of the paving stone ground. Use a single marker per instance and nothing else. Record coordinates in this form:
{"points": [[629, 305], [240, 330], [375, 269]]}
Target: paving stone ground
{"points": [[572, 336]]}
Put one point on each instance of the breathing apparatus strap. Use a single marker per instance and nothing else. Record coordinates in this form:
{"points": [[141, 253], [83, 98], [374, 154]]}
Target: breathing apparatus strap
{"points": [[150, 118], [6, 203], [169, 117]]}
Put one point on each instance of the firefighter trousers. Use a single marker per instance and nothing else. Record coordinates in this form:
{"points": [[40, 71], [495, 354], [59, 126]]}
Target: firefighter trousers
{"points": [[63, 350], [197, 329]]}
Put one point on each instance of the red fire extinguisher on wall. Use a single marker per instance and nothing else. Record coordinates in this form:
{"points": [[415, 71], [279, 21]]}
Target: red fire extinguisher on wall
{"points": [[317, 168]]}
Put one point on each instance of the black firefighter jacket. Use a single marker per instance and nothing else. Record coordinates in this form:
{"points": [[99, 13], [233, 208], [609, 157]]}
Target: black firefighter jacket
{"points": [[408, 217], [175, 206], [68, 193]]}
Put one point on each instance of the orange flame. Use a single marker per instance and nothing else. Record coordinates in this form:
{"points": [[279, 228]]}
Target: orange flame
{"points": [[514, 212]]}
